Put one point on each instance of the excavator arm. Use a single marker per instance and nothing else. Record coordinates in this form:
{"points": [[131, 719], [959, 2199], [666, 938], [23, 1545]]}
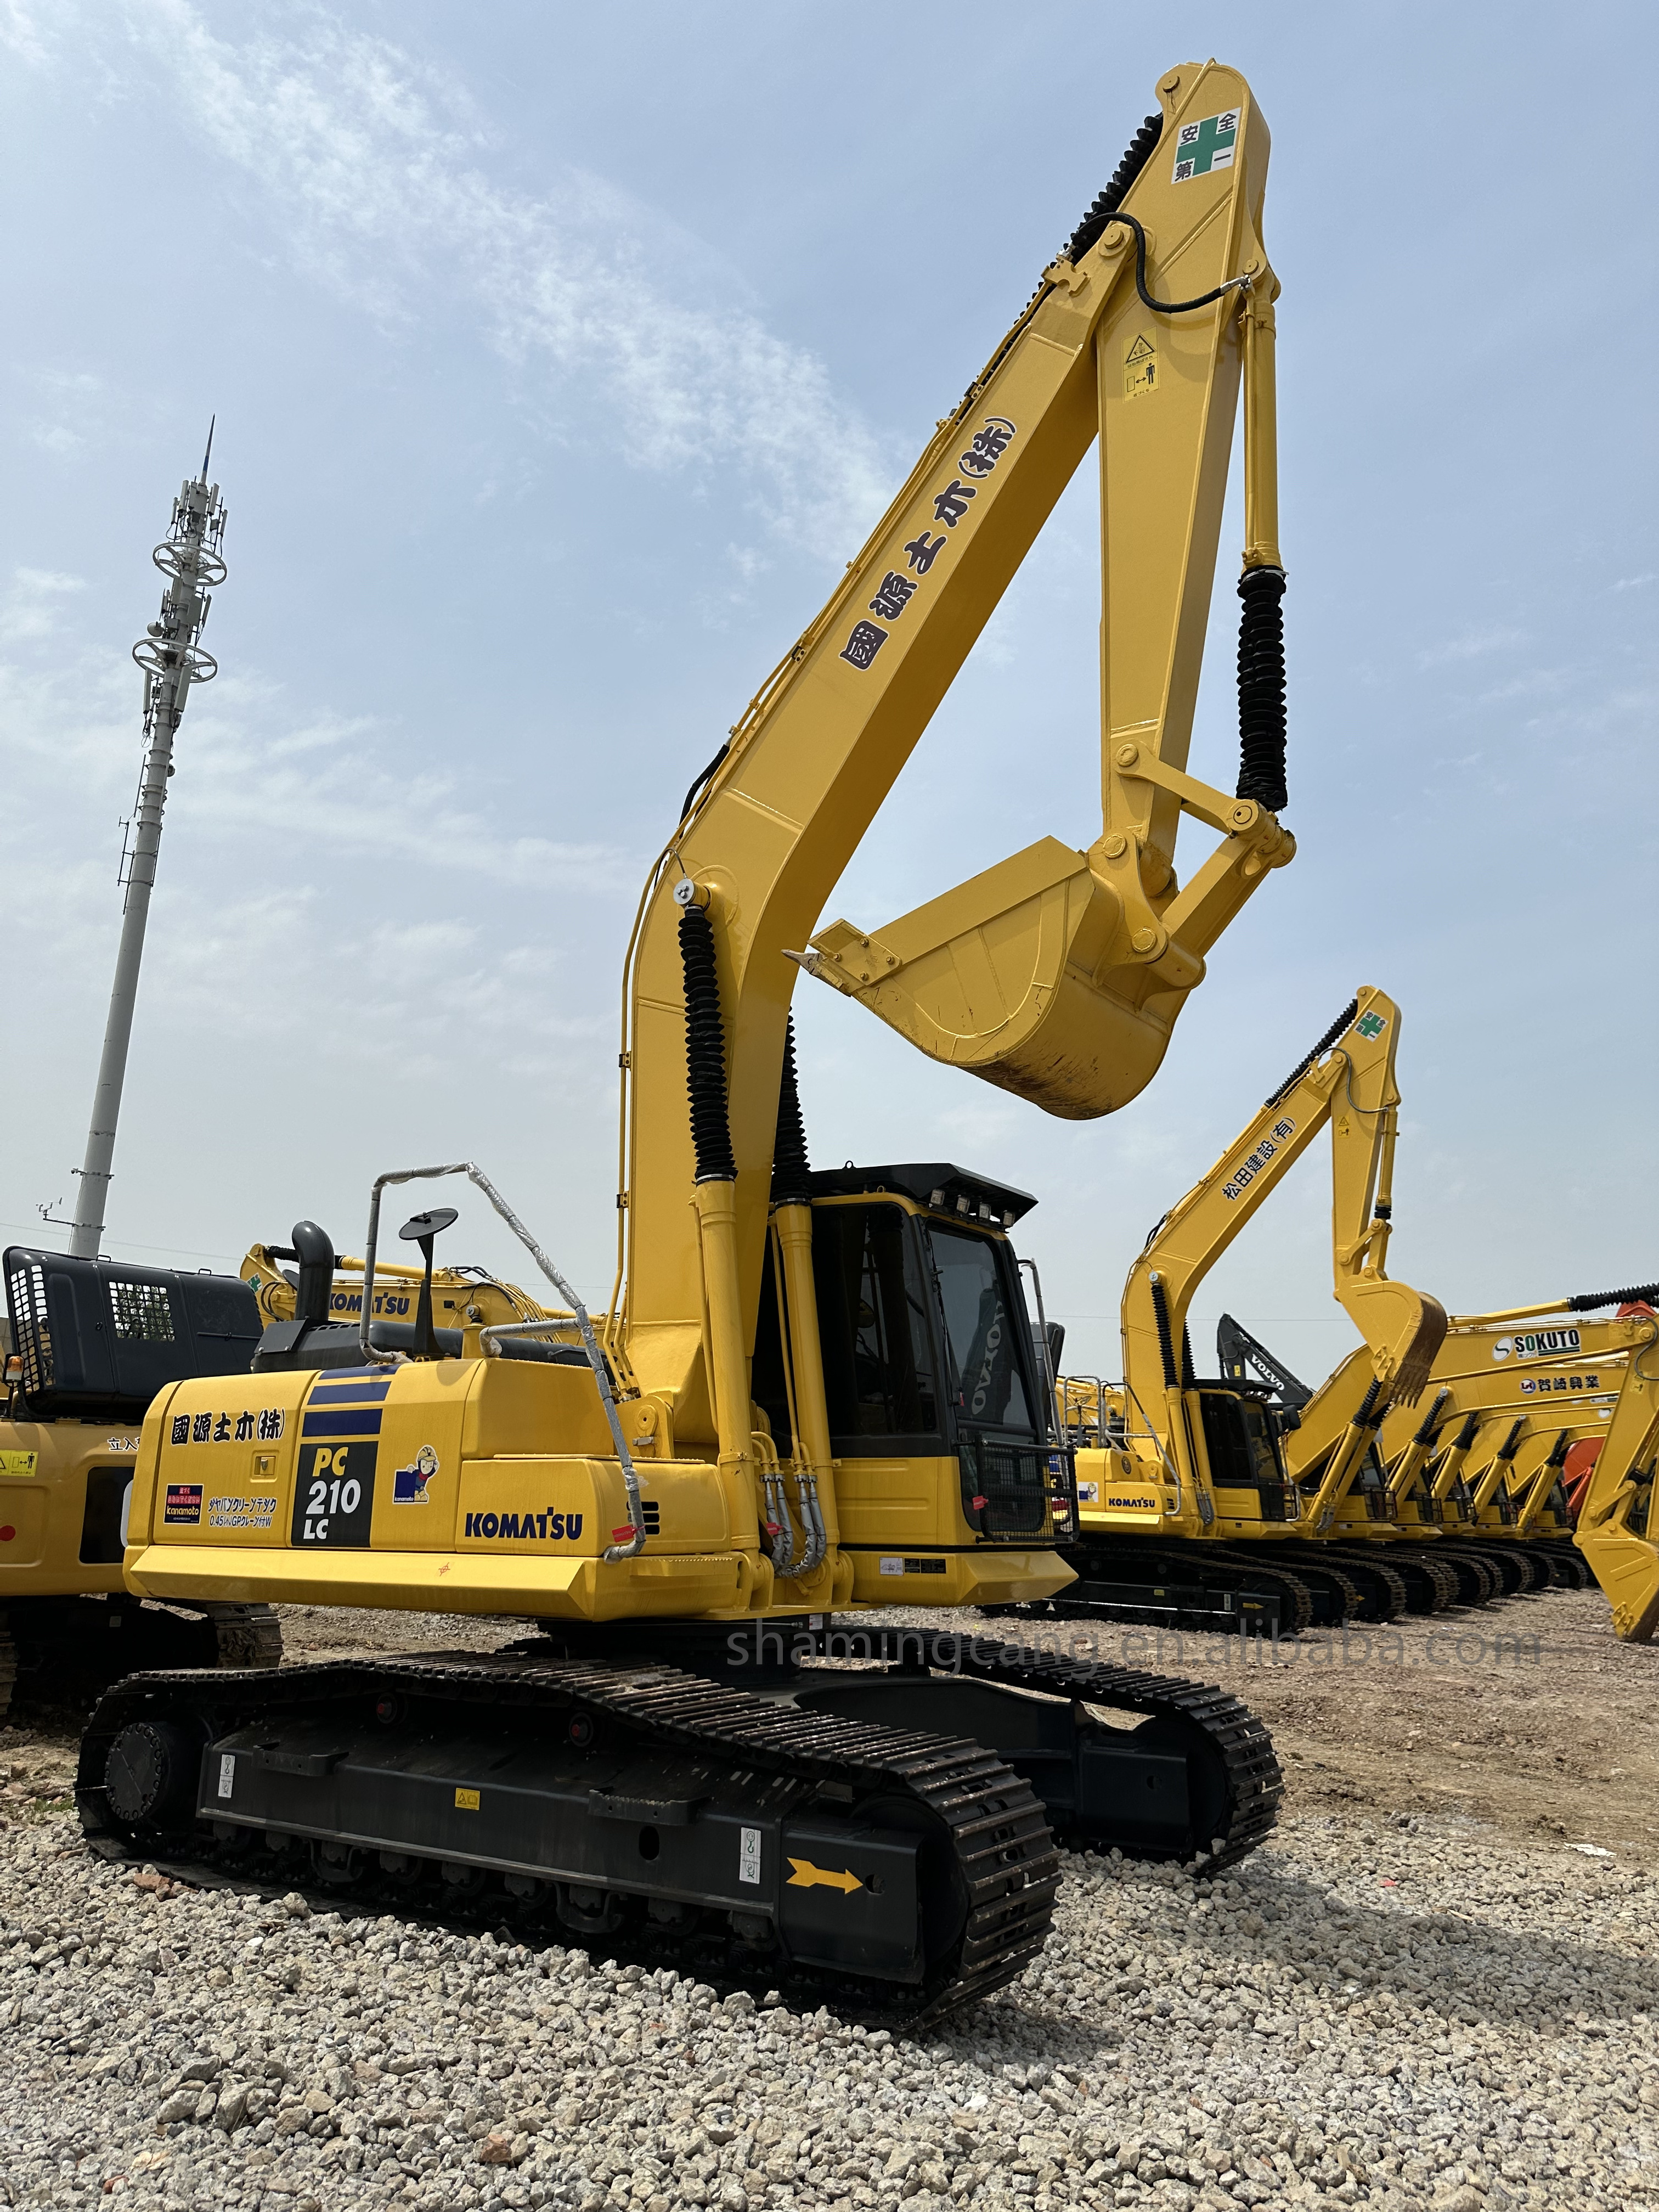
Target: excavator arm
{"points": [[1058, 974], [1616, 1531], [1075, 962]]}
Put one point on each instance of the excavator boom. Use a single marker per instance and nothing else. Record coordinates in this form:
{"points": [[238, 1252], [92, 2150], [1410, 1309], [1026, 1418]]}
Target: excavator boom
{"points": [[1060, 974]]}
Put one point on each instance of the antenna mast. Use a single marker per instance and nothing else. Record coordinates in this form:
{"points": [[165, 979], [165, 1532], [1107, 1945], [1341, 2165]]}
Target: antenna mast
{"points": [[172, 657]]}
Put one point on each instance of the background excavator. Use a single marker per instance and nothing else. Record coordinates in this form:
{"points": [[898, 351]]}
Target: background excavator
{"points": [[811, 1389], [93, 1341], [1523, 1422], [1183, 1487]]}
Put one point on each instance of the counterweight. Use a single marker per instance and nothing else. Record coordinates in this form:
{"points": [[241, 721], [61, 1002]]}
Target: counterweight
{"points": [[172, 658]]}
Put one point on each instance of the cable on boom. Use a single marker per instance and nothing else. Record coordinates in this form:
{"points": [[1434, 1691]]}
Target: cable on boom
{"points": [[698, 782], [1169, 306], [705, 1051], [1106, 203], [1318, 1053]]}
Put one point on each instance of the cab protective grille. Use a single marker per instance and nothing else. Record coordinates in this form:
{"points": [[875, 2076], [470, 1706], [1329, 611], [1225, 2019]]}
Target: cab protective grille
{"points": [[1018, 1493]]}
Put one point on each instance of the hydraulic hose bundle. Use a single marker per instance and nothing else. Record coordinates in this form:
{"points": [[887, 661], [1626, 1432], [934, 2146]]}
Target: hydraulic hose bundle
{"points": [[716, 1164], [705, 1050], [1261, 717]]}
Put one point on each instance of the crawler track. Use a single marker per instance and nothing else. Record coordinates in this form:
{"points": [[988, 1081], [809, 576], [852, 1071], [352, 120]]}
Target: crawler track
{"points": [[1002, 1864], [622, 1773]]}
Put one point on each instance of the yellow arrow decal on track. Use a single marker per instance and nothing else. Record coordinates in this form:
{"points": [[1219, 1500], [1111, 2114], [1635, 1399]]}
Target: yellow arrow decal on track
{"points": [[805, 1875]]}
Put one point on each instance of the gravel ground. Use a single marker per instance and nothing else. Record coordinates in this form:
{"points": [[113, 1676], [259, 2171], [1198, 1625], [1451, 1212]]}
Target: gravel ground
{"points": [[1421, 2005]]}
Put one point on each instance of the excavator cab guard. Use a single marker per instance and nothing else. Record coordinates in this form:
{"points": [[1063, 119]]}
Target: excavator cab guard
{"points": [[100, 1337]]}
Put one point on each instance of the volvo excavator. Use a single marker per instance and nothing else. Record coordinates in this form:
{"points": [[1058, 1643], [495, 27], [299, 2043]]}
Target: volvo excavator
{"points": [[813, 1390]]}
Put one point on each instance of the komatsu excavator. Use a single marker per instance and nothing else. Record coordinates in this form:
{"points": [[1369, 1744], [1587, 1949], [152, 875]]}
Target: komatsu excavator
{"points": [[1188, 1512], [813, 1389]]}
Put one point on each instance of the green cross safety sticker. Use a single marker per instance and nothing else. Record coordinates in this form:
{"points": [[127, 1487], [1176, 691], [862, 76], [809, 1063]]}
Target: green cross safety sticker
{"points": [[1371, 1025], [1202, 147]]}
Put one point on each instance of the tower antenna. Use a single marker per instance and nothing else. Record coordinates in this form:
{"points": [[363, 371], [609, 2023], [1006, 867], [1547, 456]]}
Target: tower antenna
{"points": [[172, 657]]}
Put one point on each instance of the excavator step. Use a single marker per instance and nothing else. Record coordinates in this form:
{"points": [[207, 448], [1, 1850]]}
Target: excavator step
{"points": [[855, 1835]]}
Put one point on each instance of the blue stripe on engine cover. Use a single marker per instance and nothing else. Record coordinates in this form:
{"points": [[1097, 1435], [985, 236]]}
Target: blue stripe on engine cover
{"points": [[345, 1393], [345, 1423]]}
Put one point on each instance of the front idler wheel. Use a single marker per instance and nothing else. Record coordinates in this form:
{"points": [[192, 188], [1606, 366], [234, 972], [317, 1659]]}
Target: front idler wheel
{"points": [[150, 1777]]}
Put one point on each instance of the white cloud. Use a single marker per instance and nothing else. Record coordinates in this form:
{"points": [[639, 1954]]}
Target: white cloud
{"points": [[377, 179], [1635, 583], [29, 608], [1470, 644]]}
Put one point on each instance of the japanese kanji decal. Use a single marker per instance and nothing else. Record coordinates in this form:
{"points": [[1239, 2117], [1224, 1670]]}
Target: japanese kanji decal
{"points": [[1203, 147], [866, 643]]}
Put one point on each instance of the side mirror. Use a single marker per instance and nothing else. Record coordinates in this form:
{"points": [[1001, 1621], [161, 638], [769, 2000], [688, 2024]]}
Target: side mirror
{"points": [[422, 1229]]}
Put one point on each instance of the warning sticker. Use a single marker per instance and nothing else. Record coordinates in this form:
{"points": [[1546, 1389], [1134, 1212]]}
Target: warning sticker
{"points": [[1203, 147], [1141, 368], [1371, 1025]]}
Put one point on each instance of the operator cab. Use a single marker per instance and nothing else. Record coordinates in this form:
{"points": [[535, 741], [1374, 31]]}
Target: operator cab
{"points": [[1241, 1442], [929, 1349]]}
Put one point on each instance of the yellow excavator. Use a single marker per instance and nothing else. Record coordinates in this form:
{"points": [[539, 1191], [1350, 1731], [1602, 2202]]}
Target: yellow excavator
{"points": [[309, 1273], [1188, 1512], [1519, 1414], [813, 1389], [90, 1343], [1614, 1525]]}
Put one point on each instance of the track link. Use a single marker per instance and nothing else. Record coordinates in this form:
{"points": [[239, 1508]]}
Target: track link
{"points": [[1004, 1864]]}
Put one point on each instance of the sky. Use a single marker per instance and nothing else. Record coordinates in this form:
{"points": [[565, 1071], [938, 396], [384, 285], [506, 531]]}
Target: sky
{"points": [[563, 356]]}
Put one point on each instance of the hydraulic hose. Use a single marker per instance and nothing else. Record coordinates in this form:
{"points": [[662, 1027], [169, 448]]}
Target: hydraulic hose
{"points": [[792, 1199], [1643, 1294], [705, 1050], [716, 1179], [1106, 205], [1317, 1053], [1262, 713], [1165, 1335], [792, 1172]]}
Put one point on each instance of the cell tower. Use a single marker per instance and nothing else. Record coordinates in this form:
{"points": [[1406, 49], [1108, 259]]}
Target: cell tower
{"points": [[172, 657]]}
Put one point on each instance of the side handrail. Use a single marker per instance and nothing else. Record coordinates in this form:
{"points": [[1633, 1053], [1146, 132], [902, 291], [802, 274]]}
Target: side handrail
{"points": [[635, 1542]]}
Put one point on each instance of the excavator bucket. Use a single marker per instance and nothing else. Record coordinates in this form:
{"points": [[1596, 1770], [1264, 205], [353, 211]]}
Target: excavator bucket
{"points": [[995, 977], [1405, 1329]]}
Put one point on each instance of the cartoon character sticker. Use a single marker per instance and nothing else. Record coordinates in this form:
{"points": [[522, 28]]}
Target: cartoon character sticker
{"points": [[409, 1484]]}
